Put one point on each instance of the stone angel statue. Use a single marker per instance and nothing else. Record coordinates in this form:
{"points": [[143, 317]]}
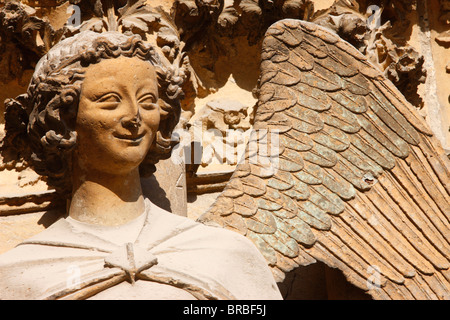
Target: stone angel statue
{"points": [[98, 114], [354, 178], [341, 170]]}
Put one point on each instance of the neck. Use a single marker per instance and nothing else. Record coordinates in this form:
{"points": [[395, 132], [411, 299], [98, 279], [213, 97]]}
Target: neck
{"points": [[106, 199]]}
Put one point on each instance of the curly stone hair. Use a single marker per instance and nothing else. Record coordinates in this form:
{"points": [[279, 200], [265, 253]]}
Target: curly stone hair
{"points": [[40, 124]]}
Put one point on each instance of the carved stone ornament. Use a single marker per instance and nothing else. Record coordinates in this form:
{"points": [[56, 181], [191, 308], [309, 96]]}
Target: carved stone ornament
{"points": [[338, 168], [384, 43]]}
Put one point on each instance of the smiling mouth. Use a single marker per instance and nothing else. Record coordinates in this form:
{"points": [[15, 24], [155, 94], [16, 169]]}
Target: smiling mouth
{"points": [[134, 139]]}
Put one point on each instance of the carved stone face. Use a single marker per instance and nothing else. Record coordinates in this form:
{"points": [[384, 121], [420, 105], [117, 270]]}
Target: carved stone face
{"points": [[118, 115]]}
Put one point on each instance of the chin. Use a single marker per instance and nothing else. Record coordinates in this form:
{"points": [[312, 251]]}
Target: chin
{"points": [[129, 159], [133, 152]]}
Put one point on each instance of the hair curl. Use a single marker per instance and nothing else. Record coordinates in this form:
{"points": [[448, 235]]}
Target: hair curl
{"points": [[40, 124]]}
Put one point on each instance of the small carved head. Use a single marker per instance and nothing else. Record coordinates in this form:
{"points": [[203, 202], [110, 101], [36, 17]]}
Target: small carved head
{"points": [[43, 121]]}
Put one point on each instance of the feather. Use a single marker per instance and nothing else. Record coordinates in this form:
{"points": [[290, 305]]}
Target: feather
{"points": [[354, 180]]}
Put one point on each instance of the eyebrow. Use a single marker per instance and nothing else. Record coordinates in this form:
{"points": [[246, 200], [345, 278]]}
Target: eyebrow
{"points": [[154, 90]]}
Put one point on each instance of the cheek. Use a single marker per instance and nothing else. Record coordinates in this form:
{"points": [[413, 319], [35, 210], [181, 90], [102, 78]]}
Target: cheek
{"points": [[92, 129], [152, 119], [95, 123]]}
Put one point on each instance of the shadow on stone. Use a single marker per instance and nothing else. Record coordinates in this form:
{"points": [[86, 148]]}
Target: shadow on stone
{"points": [[319, 282], [152, 190]]}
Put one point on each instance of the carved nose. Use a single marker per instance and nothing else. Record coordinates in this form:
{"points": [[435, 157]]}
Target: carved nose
{"points": [[132, 122]]}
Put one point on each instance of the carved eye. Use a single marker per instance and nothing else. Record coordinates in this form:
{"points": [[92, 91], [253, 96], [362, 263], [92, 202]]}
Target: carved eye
{"points": [[148, 101], [109, 100]]}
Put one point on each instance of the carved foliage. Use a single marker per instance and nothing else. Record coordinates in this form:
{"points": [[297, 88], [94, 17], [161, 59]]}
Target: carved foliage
{"points": [[444, 37], [24, 39], [382, 40], [250, 18], [129, 17]]}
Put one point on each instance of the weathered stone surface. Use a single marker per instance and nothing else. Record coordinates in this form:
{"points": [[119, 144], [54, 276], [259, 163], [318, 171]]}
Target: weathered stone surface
{"points": [[347, 163], [97, 117], [368, 194]]}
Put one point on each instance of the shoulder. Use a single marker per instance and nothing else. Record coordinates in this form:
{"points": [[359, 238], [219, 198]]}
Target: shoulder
{"points": [[29, 270], [210, 252], [184, 227]]}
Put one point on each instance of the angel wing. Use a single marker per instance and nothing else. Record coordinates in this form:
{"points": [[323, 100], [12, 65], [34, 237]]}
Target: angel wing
{"points": [[360, 183]]}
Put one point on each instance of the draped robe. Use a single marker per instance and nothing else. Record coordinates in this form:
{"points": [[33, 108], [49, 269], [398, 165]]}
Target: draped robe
{"points": [[158, 255]]}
